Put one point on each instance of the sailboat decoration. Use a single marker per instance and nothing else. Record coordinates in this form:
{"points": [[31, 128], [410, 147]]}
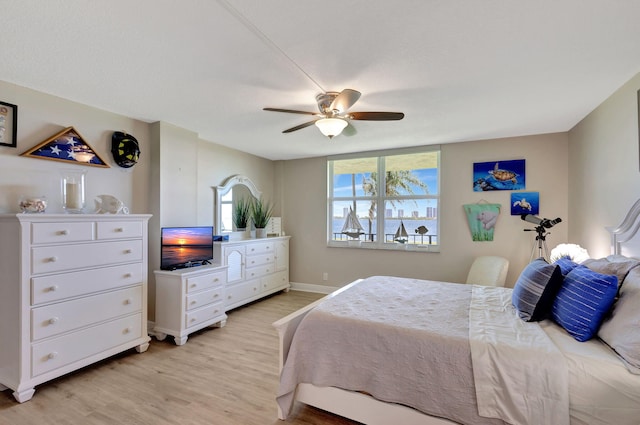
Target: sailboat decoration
{"points": [[401, 235], [352, 226]]}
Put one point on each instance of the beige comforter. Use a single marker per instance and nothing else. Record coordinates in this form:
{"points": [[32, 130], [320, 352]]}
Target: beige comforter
{"points": [[400, 340]]}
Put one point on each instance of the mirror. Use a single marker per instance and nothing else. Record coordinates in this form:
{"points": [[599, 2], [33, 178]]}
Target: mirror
{"points": [[234, 188]]}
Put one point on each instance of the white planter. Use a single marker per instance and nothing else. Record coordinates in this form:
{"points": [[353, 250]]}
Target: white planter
{"points": [[261, 232]]}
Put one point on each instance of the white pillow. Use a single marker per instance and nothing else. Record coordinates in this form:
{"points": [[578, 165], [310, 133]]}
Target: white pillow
{"points": [[621, 330]]}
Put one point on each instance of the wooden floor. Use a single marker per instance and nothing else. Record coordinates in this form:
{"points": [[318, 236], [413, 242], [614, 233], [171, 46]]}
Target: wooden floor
{"points": [[221, 376]]}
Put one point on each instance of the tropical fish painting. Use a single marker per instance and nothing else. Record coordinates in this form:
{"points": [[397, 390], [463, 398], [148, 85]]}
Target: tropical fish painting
{"points": [[499, 175]]}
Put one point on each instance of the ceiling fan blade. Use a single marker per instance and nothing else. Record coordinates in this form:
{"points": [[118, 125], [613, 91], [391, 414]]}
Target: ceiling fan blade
{"points": [[345, 100], [376, 116], [290, 111], [299, 127]]}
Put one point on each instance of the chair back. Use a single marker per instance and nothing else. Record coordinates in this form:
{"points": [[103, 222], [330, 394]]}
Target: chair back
{"points": [[488, 270]]}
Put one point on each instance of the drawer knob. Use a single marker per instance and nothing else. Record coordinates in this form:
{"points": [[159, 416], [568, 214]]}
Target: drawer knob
{"points": [[194, 302], [127, 330], [193, 319], [216, 279], [127, 251], [128, 301], [52, 355], [52, 259], [53, 320], [53, 288], [215, 295], [119, 230], [63, 232], [193, 285]]}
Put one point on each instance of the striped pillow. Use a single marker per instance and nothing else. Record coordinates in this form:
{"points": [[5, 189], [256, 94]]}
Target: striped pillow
{"points": [[566, 264], [535, 290], [583, 300]]}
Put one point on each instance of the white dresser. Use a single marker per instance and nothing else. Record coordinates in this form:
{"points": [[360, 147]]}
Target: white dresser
{"points": [[188, 300], [73, 291], [256, 268]]}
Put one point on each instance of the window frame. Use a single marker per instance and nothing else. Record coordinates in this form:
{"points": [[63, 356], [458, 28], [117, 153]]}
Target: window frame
{"points": [[381, 201]]}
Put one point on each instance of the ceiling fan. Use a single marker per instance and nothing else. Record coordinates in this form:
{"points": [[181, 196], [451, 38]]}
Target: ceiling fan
{"points": [[333, 116]]}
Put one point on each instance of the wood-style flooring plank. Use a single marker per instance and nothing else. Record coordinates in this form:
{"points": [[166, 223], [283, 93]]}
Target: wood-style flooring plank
{"points": [[221, 376]]}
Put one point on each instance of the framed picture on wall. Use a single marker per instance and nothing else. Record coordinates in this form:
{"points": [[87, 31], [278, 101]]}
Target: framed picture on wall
{"points": [[525, 203], [8, 124], [499, 175]]}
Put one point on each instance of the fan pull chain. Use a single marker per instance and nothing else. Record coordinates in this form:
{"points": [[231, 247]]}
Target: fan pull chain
{"points": [[255, 30]]}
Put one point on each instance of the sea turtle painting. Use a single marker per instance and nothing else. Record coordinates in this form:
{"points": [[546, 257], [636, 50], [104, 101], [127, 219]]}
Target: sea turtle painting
{"points": [[499, 175], [503, 175]]}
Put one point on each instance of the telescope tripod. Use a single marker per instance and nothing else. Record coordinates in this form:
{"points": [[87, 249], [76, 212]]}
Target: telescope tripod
{"points": [[540, 244]]}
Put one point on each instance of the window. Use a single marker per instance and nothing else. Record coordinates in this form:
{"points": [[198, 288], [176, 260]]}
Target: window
{"points": [[403, 215]]}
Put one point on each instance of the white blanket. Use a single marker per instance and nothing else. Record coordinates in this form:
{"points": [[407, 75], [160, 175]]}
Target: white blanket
{"points": [[520, 375]]}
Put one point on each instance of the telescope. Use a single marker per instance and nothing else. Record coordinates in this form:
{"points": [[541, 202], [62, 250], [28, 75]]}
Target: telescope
{"points": [[544, 222]]}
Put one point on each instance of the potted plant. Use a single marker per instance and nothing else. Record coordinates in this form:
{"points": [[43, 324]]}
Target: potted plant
{"points": [[261, 212], [241, 214]]}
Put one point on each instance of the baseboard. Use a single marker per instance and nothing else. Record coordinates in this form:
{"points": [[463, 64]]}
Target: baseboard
{"points": [[308, 287]]}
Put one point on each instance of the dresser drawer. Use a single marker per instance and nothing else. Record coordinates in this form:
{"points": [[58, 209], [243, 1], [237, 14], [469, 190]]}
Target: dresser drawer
{"points": [[257, 272], [60, 286], [65, 316], [209, 280], [259, 260], [203, 314], [118, 229], [48, 259], [203, 298], [276, 280], [260, 248], [236, 293], [45, 233], [54, 353]]}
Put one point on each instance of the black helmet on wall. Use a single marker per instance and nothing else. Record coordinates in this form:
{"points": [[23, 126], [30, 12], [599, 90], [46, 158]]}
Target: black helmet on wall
{"points": [[125, 149]]}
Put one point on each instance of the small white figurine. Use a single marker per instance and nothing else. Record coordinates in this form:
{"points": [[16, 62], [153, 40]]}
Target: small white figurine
{"points": [[107, 204]]}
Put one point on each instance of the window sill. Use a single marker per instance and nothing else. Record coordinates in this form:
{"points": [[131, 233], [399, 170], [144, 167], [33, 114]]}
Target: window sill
{"points": [[386, 246]]}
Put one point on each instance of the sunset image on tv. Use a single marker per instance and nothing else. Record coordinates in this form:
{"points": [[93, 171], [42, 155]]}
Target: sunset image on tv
{"points": [[186, 236], [185, 246]]}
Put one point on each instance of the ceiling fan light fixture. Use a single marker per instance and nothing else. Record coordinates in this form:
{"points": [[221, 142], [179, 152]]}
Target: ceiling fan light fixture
{"points": [[331, 127]]}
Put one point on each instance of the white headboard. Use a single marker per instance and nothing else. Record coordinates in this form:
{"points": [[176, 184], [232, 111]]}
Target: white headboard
{"points": [[624, 238]]}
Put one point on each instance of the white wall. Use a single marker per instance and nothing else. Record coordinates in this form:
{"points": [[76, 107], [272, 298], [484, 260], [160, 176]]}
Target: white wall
{"points": [[604, 169], [304, 187], [40, 116]]}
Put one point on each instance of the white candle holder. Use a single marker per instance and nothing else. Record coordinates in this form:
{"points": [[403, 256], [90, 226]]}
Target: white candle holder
{"points": [[73, 187]]}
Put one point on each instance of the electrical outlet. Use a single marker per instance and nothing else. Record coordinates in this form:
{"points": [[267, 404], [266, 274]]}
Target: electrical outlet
{"points": [[325, 276]]}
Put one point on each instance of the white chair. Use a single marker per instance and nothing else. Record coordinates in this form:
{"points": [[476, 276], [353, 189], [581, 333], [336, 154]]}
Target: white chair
{"points": [[488, 270]]}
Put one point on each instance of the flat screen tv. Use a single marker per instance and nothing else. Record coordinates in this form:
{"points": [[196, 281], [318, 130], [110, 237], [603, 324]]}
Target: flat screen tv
{"points": [[186, 247]]}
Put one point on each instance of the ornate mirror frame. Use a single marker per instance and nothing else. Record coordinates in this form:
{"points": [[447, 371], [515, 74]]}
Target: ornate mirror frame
{"points": [[229, 184]]}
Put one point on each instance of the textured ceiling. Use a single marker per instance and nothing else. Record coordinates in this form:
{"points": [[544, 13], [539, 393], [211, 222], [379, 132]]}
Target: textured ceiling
{"points": [[459, 69]]}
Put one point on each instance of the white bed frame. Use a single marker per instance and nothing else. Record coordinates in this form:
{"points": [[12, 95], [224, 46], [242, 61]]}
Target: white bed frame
{"points": [[368, 410]]}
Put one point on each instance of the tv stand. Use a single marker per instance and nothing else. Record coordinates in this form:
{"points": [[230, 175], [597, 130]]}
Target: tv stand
{"points": [[189, 299], [190, 264]]}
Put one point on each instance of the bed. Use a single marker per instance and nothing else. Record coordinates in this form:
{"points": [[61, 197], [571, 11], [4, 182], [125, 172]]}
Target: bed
{"points": [[446, 353]]}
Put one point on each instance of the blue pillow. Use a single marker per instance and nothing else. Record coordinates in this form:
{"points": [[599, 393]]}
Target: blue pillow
{"points": [[583, 301], [535, 290], [566, 264]]}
